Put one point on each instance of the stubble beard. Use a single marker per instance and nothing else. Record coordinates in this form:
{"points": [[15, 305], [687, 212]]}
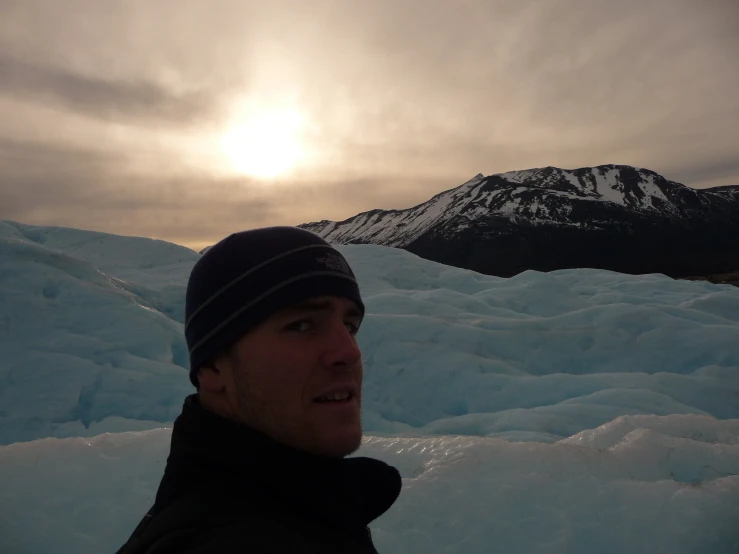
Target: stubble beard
{"points": [[256, 414], [250, 408]]}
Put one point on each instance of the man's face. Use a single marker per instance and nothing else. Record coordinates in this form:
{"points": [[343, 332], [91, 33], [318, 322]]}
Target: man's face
{"points": [[298, 377]]}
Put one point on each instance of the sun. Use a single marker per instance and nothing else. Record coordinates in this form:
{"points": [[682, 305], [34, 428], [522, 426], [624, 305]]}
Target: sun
{"points": [[264, 142]]}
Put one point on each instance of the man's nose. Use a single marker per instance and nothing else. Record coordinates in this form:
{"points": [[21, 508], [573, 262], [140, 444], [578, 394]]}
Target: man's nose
{"points": [[342, 349]]}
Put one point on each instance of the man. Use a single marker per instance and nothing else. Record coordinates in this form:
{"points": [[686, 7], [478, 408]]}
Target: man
{"points": [[258, 456]]}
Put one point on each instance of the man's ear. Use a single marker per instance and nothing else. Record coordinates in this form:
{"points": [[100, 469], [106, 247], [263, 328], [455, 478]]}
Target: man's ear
{"points": [[213, 375]]}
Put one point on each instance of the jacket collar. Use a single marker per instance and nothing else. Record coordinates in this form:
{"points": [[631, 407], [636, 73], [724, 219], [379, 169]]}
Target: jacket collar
{"points": [[210, 451]]}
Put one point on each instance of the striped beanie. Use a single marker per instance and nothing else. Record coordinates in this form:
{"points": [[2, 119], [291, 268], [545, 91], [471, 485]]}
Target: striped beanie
{"points": [[249, 276]]}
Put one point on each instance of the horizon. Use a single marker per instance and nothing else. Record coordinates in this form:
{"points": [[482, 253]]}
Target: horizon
{"points": [[248, 114], [200, 245]]}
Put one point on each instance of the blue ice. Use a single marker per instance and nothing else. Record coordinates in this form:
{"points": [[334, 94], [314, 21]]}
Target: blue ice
{"points": [[575, 411]]}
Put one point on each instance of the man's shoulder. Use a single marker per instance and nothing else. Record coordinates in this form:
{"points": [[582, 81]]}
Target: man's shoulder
{"points": [[180, 525], [201, 524], [261, 534], [246, 532]]}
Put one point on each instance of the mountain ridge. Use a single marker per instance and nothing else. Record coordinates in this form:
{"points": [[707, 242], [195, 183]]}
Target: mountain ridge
{"points": [[617, 203]]}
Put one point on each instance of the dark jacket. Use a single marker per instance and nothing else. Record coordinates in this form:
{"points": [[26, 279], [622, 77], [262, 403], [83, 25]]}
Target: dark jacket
{"points": [[229, 489]]}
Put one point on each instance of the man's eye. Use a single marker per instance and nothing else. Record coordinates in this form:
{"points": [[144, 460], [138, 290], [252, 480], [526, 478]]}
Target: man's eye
{"points": [[353, 327], [301, 325]]}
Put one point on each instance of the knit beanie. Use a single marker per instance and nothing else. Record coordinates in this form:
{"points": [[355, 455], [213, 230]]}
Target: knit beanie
{"points": [[249, 276]]}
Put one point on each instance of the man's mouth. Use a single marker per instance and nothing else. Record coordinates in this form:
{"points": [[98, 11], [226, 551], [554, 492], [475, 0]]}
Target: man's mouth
{"points": [[336, 397]]}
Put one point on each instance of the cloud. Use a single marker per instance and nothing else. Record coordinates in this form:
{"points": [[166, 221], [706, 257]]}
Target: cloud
{"points": [[93, 190], [406, 98], [714, 171], [136, 100], [74, 187]]}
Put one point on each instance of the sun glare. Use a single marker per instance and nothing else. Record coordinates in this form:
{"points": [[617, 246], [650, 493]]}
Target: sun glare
{"points": [[264, 142]]}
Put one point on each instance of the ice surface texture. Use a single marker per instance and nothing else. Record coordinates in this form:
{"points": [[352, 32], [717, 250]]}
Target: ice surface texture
{"points": [[91, 331], [617, 397], [664, 485]]}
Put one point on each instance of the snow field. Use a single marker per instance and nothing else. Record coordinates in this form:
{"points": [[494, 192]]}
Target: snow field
{"points": [[574, 411]]}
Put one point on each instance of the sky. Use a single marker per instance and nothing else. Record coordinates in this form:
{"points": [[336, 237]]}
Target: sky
{"points": [[188, 120]]}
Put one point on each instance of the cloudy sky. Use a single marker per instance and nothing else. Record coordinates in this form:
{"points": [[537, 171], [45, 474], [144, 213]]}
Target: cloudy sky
{"points": [[187, 120]]}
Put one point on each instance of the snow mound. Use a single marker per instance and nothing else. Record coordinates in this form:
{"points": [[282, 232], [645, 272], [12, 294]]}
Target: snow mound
{"points": [[81, 338], [648, 492], [575, 411], [92, 332]]}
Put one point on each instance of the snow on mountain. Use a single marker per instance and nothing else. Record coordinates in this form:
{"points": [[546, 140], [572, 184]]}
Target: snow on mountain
{"points": [[543, 196]]}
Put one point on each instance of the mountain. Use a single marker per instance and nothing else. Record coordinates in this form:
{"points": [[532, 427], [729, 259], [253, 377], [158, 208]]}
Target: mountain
{"points": [[616, 217]]}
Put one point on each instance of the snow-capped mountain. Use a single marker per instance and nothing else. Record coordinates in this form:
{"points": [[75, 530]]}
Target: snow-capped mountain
{"points": [[536, 196], [478, 224]]}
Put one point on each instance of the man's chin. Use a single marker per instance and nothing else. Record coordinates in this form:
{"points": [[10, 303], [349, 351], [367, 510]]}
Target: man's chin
{"points": [[340, 445]]}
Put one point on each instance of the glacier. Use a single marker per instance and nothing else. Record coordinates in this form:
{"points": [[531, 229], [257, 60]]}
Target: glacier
{"points": [[571, 411]]}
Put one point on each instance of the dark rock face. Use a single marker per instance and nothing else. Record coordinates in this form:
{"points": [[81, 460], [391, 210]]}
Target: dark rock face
{"points": [[612, 217]]}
